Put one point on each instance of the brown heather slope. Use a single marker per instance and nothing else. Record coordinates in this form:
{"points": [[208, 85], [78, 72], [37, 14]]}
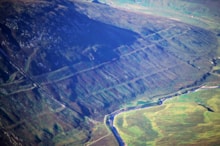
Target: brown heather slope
{"points": [[64, 65]]}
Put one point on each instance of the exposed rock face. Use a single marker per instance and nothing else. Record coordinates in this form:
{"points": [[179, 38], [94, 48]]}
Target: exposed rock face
{"points": [[62, 62]]}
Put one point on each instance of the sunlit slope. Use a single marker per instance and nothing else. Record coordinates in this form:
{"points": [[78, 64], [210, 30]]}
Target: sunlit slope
{"points": [[189, 119], [205, 13]]}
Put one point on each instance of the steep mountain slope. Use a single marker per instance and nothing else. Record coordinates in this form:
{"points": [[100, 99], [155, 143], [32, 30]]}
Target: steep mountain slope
{"points": [[64, 65]]}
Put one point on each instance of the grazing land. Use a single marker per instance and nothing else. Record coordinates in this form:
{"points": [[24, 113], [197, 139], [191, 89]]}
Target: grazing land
{"points": [[189, 119]]}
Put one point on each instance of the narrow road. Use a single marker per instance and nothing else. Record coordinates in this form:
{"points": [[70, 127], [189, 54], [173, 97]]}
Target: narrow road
{"points": [[98, 139]]}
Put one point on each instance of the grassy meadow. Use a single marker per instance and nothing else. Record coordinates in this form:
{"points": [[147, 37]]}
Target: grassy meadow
{"points": [[182, 120]]}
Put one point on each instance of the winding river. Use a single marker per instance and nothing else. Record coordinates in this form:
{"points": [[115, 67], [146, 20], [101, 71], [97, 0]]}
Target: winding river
{"points": [[109, 120]]}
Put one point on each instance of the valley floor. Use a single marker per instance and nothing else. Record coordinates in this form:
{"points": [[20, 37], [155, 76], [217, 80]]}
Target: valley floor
{"points": [[189, 119]]}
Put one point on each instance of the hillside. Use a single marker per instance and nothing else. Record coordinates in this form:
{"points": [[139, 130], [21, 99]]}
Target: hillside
{"points": [[65, 65], [203, 13]]}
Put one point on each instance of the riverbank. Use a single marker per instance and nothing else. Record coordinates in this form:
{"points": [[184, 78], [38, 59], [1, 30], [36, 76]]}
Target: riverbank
{"points": [[170, 113], [109, 119]]}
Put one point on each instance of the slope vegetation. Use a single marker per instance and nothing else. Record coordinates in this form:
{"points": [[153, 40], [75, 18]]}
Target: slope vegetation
{"points": [[64, 65]]}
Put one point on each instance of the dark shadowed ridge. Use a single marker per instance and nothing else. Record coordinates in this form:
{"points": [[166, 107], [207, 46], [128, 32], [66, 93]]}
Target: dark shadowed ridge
{"points": [[53, 30], [64, 65]]}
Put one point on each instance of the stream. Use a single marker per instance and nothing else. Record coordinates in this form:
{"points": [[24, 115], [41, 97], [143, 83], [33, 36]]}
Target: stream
{"points": [[110, 117]]}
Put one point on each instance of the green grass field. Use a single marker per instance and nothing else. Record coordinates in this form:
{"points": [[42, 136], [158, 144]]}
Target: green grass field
{"points": [[179, 121]]}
